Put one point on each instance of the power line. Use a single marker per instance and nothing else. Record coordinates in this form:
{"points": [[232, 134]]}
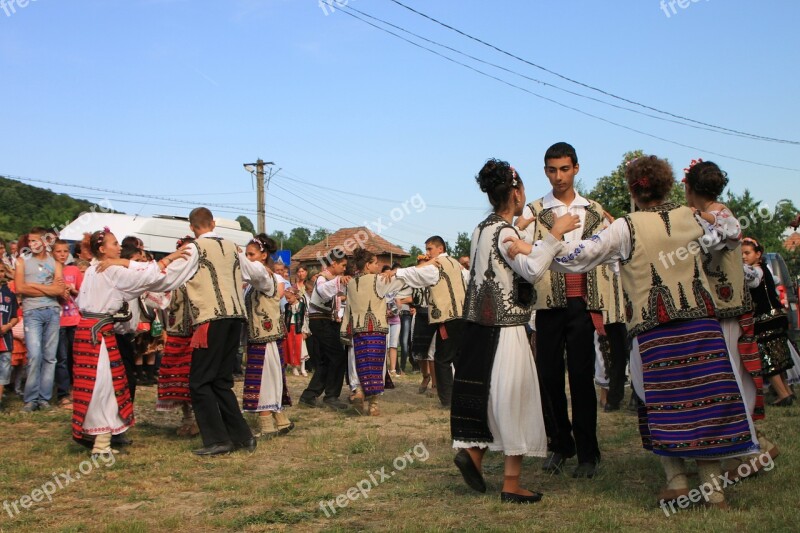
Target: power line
{"points": [[577, 110], [547, 84], [223, 207], [585, 85], [376, 198], [353, 224]]}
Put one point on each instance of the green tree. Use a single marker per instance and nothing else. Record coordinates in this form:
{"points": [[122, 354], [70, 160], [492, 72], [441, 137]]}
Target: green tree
{"points": [[246, 224], [612, 191], [412, 260], [319, 235], [760, 221], [462, 245], [280, 238]]}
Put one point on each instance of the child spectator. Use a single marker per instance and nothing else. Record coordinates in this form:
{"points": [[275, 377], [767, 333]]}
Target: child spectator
{"points": [[295, 315], [70, 317], [19, 354], [8, 319]]}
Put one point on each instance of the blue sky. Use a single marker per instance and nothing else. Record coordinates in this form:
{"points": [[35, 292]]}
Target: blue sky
{"points": [[171, 97]]}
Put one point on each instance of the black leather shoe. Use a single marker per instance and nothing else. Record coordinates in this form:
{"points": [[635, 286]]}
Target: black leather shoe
{"points": [[554, 463], [611, 407], [308, 403], [120, 440], [248, 445], [336, 403], [472, 476], [585, 470], [511, 497], [214, 449]]}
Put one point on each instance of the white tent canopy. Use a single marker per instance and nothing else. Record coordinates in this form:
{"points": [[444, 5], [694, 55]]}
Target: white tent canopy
{"points": [[159, 233]]}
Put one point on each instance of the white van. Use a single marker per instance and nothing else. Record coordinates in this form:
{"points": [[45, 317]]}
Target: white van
{"points": [[159, 233]]}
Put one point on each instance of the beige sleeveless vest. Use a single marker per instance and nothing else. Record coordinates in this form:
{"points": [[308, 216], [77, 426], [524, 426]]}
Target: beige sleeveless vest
{"points": [[447, 296], [366, 310], [550, 291], [725, 272], [179, 316], [215, 290], [657, 291], [264, 318]]}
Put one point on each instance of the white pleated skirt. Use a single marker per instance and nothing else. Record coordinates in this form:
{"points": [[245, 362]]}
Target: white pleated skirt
{"points": [[515, 407]]}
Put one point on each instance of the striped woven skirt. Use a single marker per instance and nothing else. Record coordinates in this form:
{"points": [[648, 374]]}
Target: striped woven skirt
{"points": [[173, 375], [693, 405], [370, 354], [263, 378], [101, 399]]}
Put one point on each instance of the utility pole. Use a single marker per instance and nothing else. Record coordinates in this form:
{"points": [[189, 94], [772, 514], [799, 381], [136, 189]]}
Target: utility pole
{"points": [[260, 207], [258, 169]]}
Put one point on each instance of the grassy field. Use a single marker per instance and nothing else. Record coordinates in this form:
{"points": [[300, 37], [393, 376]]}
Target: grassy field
{"points": [[158, 485]]}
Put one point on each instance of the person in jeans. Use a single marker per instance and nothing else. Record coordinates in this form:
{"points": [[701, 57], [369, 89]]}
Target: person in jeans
{"points": [[38, 279], [70, 317]]}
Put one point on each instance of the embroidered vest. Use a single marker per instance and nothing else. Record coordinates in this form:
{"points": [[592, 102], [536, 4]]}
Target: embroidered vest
{"points": [[299, 316], [614, 311], [447, 296], [264, 321], [725, 272], [365, 311], [215, 290], [496, 295], [656, 290], [179, 317], [550, 291]]}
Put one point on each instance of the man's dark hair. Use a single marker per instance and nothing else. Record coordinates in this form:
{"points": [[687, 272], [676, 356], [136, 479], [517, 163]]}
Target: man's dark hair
{"points": [[201, 217], [334, 255], [436, 241], [128, 250], [130, 240], [559, 150]]}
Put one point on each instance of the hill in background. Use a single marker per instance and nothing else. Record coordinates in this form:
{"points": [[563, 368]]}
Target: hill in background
{"points": [[23, 206]]}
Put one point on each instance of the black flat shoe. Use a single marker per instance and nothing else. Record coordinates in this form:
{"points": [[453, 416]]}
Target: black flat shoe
{"points": [[585, 470], [472, 476], [786, 402], [554, 463], [214, 449], [248, 445], [611, 407], [511, 497]]}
